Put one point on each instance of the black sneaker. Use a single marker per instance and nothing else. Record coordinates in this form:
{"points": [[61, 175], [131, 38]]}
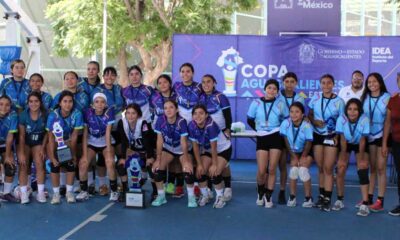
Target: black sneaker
{"points": [[63, 191], [326, 206], [282, 198], [9, 198], [319, 203], [395, 212], [122, 197], [92, 190]]}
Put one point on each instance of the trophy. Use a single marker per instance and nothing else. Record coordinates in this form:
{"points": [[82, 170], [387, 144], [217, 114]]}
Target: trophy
{"points": [[135, 194], [63, 151]]}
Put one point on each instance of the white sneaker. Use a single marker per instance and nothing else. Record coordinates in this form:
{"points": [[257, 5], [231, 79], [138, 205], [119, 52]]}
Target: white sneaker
{"points": [[210, 193], [56, 198], [219, 202], [260, 201], [77, 189], [24, 197], [268, 204], [82, 196], [363, 210], [41, 197], [291, 203], [227, 194], [70, 197], [338, 205], [203, 200], [308, 204], [114, 196]]}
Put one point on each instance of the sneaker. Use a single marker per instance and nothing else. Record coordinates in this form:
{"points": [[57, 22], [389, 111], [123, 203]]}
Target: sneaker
{"points": [[227, 194], [319, 203], [122, 197], [9, 198], [114, 196], [63, 191], [363, 210], [103, 190], [211, 194], [268, 204], [192, 202], [377, 206], [395, 212], [77, 189], [219, 202], [260, 200], [82, 196], [70, 197], [326, 205], [358, 204], [24, 197], [281, 198], [41, 197], [160, 200], [338, 205], [203, 200], [92, 190], [291, 203], [179, 193], [56, 198], [197, 191], [170, 189], [308, 203]]}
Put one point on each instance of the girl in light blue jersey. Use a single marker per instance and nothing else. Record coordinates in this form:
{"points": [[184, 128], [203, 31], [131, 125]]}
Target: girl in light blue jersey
{"points": [[375, 100], [353, 127], [325, 108], [265, 116]]}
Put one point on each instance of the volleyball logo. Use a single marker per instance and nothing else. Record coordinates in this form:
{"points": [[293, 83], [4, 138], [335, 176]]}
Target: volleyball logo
{"points": [[229, 62]]}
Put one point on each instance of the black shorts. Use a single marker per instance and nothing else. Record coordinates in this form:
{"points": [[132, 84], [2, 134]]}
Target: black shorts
{"points": [[173, 154], [271, 141], [97, 149], [378, 142], [319, 139], [356, 148], [226, 154]]}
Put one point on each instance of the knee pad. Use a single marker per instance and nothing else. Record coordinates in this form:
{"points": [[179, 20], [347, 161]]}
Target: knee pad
{"points": [[203, 178], [189, 178], [70, 167], [304, 174], [9, 171], [160, 175], [363, 176], [294, 173], [54, 169], [121, 170], [217, 179], [150, 171]]}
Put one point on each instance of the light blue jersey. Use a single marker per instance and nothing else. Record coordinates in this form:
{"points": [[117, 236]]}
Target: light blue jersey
{"points": [[375, 108], [327, 110], [289, 100], [267, 114], [353, 132], [297, 136]]}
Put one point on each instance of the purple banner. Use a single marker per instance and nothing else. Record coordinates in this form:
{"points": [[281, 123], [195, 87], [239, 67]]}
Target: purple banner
{"points": [[304, 16]]}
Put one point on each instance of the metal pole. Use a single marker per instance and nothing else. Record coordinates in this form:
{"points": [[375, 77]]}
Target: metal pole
{"points": [[104, 56]]}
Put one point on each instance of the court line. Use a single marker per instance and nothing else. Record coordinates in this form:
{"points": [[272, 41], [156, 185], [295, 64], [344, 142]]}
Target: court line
{"points": [[94, 218]]}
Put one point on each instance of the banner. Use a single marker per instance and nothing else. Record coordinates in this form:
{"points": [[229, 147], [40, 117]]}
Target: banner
{"points": [[304, 16], [7, 55]]}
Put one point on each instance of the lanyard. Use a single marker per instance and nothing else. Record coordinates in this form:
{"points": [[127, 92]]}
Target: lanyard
{"points": [[266, 114], [188, 90], [353, 130], [296, 133], [371, 112], [323, 109], [286, 98]]}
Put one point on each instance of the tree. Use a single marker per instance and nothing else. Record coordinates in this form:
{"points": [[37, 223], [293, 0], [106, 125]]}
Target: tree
{"points": [[145, 25]]}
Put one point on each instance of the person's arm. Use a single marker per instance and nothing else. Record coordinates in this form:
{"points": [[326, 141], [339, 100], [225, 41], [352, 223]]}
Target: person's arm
{"points": [[185, 155], [228, 121], [44, 144], [108, 136], [315, 122], [85, 141], [343, 146], [214, 159], [386, 131], [307, 149], [50, 149], [160, 143], [252, 123]]}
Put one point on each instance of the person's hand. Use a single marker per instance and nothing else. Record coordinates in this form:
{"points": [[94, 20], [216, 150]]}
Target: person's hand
{"points": [[384, 151], [199, 170], [319, 123], [213, 171]]}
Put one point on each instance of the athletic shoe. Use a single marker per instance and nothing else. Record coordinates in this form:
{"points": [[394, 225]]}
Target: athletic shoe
{"points": [[326, 205], [268, 204], [179, 193], [77, 189], [281, 198], [114, 196], [24, 197], [211, 194], [122, 197], [70, 197], [56, 198], [197, 191], [395, 212], [203, 200], [103, 190], [160, 200], [377, 206], [319, 203], [92, 190], [41, 197], [82, 196], [363, 210], [227, 194], [359, 204], [170, 189], [154, 196], [63, 191], [192, 202], [9, 198], [338, 205], [291, 203], [219, 202], [308, 204], [260, 200]]}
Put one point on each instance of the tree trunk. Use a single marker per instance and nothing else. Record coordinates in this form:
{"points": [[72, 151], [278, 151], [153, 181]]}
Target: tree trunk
{"points": [[162, 55], [123, 68]]}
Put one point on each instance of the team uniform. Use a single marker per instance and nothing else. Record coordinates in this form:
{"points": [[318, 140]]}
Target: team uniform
{"points": [[172, 134], [187, 97], [18, 92], [297, 136], [353, 132], [327, 110], [97, 126], [8, 124], [35, 130], [375, 108], [85, 86], [81, 101], [157, 104], [47, 100], [218, 107], [141, 96], [289, 100]]}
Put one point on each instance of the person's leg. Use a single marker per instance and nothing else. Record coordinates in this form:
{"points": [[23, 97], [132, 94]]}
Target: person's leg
{"points": [[396, 155], [319, 160], [218, 184], [160, 176], [283, 177], [330, 154], [381, 170], [341, 167], [373, 172], [262, 162], [305, 177], [40, 173], [274, 156]]}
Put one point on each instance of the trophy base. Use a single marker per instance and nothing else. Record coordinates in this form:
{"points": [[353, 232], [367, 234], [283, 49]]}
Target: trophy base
{"points": [[134, 199]]}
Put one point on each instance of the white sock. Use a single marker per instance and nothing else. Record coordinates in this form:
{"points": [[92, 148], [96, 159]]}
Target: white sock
{"points": [[190, 191], [7, 188], [63, 178], [196, 183], [56, 189], [24, 189], [219, 192], [70, 188], [161, 192], [90, 178], [204, 191], [40, 188], [102, 181]]}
